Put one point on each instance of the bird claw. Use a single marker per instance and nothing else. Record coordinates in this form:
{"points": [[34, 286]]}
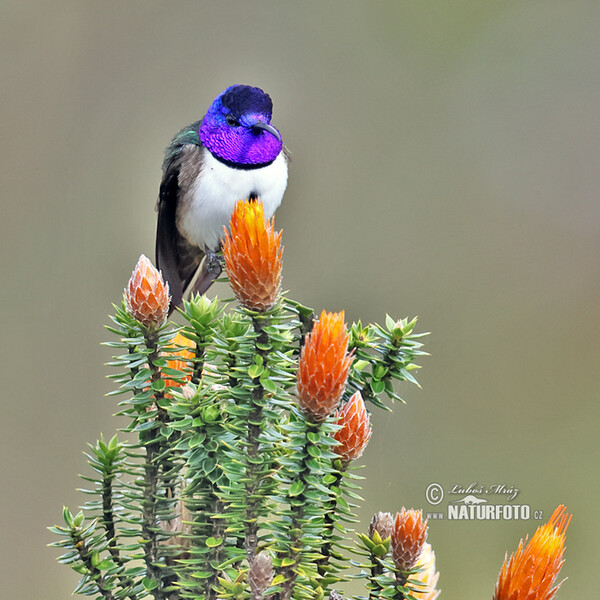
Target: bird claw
{"points": [[211, 268], [214, 263]]}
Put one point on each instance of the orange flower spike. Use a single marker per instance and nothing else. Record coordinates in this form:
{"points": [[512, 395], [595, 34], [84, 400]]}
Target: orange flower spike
{"points": [[408, 537], [323, 367], [147, 295], [355, 432], [531, 571], [181, 359], [253, 254]]}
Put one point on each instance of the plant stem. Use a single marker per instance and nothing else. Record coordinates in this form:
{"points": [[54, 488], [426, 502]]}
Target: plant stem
{"points": [[297, 518], [253, 444], [330, 513], [218, 531], [109, 524], [306, 317], [149, 521], [151, 476], [108, 517], [95, 573], [198, 365], [401, 580], [376, 571]]}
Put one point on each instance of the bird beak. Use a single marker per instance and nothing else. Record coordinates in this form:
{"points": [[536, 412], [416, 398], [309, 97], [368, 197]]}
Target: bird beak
{"points": [[267, 127]]}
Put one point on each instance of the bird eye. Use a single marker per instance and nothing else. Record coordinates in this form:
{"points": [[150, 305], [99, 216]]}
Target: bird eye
{"points": [[231, 120]]}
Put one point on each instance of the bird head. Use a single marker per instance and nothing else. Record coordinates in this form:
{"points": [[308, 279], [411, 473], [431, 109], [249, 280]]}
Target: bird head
{"points": [[237, 127]]}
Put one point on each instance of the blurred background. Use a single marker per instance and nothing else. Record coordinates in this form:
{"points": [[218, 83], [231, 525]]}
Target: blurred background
{"points": [[445, 164]]}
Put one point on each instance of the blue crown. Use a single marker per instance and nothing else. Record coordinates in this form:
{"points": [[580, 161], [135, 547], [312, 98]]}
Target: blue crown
{"points": [[240, 99]]}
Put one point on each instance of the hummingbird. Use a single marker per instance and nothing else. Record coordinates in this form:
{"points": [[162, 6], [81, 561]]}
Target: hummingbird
{"points": [[233, 153]]}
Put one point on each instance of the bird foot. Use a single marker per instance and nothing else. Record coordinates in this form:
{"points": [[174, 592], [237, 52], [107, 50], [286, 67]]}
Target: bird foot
{"points": [[212, 267], [214, 263]]}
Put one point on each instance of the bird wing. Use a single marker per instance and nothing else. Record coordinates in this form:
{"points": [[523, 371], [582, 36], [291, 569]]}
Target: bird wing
{"points": [[175, 256]]}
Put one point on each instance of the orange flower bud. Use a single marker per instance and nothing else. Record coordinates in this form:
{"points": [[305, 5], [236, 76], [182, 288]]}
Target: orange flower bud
{"points": [[253, 254], [323, 367], [181, 359], [408, 536], [147, 295], [531, 571], [355, 432]]}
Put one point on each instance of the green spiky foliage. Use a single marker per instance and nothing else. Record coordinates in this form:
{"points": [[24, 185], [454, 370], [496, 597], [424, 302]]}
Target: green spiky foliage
{"points": [[220, 464], [383, 580]]}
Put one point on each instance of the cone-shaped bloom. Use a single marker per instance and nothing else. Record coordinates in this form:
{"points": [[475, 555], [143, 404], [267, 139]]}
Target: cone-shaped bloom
{"points": [[408, 536], [181, 359], [531, 571], [323, 367], [147, 295], [355, 432], [427, 575], [382, 523], [253, 254], [260, 574]]}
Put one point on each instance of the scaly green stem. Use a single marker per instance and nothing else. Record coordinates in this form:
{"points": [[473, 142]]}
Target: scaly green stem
{"points": [[297, 518], [328, 529], [150, 525], [109, 524], [376, 571], [252, 449], [95, 574], [198, 365]]}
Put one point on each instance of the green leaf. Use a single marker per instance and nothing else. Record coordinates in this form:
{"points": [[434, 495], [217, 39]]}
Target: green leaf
{"points": [[314, 451], [313, 464], [255, 371], [106, 564], [360, 365], [146, 426], [390, 323], [197, 439], [67, 517], [379, 371], [380, 550], [158, 385], [183, 424], [377, 386], [269, 385], [149, 584], [296, 488], [209, 465], [211, 414], [213, 542]]}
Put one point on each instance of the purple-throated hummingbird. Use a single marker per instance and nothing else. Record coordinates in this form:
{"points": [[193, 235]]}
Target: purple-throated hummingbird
{"points": [[233, 153]]}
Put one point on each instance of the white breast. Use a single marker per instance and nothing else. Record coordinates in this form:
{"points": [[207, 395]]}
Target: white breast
{"points": [[217, 189]]}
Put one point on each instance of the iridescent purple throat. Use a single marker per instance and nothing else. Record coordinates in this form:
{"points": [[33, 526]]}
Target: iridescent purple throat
{"points": [[239, 145]]}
